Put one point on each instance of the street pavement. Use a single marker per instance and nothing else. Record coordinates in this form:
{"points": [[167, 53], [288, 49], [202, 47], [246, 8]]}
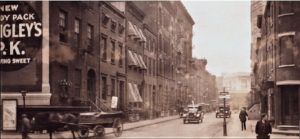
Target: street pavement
{"points": [[211, 128], [173, 127]]}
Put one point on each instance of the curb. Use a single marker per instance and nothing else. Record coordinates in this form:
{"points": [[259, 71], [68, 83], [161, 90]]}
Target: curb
{"points": [[144, 125]]}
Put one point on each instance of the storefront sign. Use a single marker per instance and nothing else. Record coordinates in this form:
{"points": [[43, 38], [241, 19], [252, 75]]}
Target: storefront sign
{"points": [[20, 35], [9, 114]]}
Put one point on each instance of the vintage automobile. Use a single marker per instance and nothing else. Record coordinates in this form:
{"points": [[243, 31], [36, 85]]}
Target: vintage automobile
{"points": [[194, 114], [183, 112], [221, 111]]}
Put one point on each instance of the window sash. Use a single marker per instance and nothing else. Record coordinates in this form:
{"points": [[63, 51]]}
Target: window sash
{"points": [[77, 26], [62, 19]]}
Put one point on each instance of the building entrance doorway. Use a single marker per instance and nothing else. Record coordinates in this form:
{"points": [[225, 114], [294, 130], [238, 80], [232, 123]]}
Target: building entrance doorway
{"points": [[290, 105]]}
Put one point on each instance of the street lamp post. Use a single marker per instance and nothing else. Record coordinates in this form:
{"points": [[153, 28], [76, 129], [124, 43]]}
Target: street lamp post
{"points": [[224, 121], [23, 92]]}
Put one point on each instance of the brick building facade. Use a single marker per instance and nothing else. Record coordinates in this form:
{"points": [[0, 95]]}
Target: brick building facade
{"points": [[277, 57], [92, 51]]}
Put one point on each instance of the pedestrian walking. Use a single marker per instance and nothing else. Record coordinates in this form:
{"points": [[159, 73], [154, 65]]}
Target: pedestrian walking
{"points": [[263, 128], [25, 127], [243, 118]]}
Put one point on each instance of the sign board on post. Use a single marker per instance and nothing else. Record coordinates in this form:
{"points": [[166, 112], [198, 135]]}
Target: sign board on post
{"points": [[9, 114], [224, 93], [114, 102], [225, 96]]}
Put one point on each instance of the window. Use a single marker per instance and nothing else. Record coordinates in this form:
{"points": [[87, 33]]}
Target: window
{"points": [[77, 32], [113, 26], [77, 83], [121, 29], [113, 51], [77, 26], [62, 26], [104, 88], [103, 43], [154, 68], [90, 35], [105, 19], [286, 50], [120, 55], [62, 19], [113, 82]]}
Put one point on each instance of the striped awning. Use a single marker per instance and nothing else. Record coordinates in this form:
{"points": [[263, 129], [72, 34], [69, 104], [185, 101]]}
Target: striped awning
{"points": [[132, 61], [143, 38], [142, 62], [134, 95], [135, 32], [131, 30], [138, 60], [137, 93]]}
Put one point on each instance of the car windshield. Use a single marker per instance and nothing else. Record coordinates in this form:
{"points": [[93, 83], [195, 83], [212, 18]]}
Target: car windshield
{"points": [[192, 109]]}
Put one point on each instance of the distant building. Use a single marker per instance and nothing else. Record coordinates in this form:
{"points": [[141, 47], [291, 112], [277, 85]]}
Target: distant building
{"points": [[238, 85], [204, 84]]}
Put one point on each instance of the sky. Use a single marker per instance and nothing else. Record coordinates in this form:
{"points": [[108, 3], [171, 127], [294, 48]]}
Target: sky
{"points": [[222, 34]]}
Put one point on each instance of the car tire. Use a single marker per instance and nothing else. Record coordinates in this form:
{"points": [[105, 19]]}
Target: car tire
{"points": [[184, 122]]}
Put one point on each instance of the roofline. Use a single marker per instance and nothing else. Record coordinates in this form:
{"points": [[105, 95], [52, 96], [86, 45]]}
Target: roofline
{"points": [[186, 13]]}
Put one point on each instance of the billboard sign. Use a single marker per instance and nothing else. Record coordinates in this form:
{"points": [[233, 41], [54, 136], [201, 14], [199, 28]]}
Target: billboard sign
{"points": [[20, 35]]}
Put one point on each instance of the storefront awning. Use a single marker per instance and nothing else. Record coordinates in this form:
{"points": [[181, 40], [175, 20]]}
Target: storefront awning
{"points": [[134, 95], [132, 60]]}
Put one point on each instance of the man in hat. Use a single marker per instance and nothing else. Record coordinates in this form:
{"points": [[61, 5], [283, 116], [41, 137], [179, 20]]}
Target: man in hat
{"points": [[243, 118], [263, 128]]}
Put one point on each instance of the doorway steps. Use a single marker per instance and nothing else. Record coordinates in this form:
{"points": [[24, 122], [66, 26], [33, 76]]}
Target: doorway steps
{"points": [[290, 130]]}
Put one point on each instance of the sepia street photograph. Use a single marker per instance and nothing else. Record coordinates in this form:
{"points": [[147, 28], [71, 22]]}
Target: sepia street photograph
{"points": [[157, 69]]}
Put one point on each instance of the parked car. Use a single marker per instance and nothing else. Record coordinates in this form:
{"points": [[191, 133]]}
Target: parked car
{"points": [[194, 114], [221, 112]]}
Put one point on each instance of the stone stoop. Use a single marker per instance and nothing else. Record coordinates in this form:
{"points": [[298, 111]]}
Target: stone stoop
{"points": [[286, 130]]}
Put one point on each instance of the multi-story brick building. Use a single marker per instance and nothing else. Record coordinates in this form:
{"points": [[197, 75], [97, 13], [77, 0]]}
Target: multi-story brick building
{"points": [[278, 84], [204, 84], [257, 9], [112, 42], [92, 51]]}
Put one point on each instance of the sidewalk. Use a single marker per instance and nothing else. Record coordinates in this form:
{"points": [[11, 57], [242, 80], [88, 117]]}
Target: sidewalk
{"points": [[68, 134], [234, 130]]}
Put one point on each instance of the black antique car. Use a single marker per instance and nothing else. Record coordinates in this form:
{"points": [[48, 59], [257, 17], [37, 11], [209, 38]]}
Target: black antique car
{"points": [[221, 111], [183, 112], [194, 114]]}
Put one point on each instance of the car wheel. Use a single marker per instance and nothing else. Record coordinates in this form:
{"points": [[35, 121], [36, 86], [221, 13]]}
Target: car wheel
{"points": [[184, 122]]}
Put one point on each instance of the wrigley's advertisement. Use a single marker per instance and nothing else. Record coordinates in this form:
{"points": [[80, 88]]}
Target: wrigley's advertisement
{"points": [[20, 35]]}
